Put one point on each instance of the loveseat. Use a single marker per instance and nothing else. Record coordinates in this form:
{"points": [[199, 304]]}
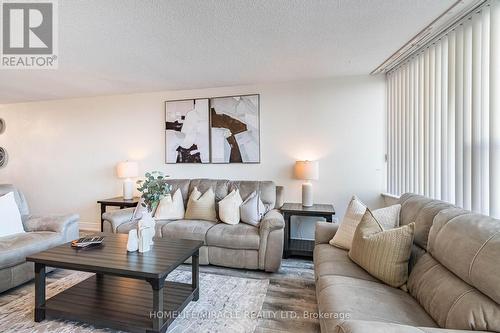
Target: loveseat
{"points": [[41, 233], [453, 285], [240, 245]]}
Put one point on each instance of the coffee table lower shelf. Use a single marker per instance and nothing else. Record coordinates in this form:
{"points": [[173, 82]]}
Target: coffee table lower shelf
{"points": [[120, 303]]}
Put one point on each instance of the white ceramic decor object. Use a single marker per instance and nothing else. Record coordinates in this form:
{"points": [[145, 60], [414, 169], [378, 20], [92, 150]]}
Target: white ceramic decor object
{"points": [[132, 242], [146, 231]]}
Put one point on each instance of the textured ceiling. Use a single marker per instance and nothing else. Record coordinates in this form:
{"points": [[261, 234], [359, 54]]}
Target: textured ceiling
{"points": [[125, 46]]}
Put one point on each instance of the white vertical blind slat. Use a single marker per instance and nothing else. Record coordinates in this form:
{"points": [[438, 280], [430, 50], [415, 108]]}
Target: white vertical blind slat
{"points": [[476, 116], [485, 109], [444, 122], [467, 117], [494, 128], [432, 120], [437, 123], [451, 117], [459, 116]]}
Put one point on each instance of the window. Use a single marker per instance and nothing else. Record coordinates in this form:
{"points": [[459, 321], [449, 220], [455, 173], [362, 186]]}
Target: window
{"points": [[443, 119]]}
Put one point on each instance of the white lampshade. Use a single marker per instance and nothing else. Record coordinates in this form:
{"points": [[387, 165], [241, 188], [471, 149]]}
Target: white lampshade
{"points": [[308, 170], [127, 169]]}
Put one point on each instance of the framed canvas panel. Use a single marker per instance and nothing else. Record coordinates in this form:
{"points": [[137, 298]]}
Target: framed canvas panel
{"points": [[235, 129], [187, 134]]}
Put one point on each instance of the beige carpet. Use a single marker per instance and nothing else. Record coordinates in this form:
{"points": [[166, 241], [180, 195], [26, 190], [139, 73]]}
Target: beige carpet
{"points": [[225, 305]]}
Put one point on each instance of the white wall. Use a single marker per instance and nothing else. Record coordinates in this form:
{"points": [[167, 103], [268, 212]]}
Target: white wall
{"points": [[62, 153]]}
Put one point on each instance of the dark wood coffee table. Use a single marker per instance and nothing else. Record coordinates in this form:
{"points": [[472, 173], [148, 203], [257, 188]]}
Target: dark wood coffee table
{"points": [[128, 292]]}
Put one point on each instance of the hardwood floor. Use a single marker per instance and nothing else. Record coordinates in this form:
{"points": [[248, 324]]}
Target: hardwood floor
{"points": [[290, 295]]}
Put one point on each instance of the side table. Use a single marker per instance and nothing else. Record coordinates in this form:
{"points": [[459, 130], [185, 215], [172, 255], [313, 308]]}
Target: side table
{"points": [[116, 202], [302, 247]]}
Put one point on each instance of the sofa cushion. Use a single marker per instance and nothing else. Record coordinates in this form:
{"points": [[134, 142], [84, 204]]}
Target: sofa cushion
{"points": [[182, 185], [353, 214], [265, 189], [237, 236], [187, 229], [362, 326], [201, 207], [229, 208], [451, 302], [420, 210], [330, 260], [236, 258], [171, 207], [15, 248], [252, 210], [368, 300], [10, 218], [383, 253], [474, 241]]}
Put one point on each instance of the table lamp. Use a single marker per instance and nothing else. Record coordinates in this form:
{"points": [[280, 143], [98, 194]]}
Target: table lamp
{"points": [[307, 170], [127, 170]]}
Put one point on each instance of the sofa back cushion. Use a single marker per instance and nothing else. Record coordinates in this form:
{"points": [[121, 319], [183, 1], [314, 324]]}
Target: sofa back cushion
{"points": [[468, 245], [451, 302], [457, 281], [420, 210]]}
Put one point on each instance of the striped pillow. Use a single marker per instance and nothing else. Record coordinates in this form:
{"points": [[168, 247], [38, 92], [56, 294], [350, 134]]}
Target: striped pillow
{"points": [[383, 253], [201, 207]]}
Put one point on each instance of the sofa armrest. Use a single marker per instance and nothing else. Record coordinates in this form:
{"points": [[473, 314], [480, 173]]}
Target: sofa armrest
{"points": [[361, 326], [118, 217], [55, 223], [324, 231], [273, 220], [67, 225], [272, 231]]}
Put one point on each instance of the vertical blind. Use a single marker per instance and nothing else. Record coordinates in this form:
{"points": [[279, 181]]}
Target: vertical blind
{"points": [[443, 119]]}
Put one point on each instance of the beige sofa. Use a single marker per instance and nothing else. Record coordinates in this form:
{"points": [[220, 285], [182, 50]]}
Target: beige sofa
{"points": [[453, 286], [238, 246]]}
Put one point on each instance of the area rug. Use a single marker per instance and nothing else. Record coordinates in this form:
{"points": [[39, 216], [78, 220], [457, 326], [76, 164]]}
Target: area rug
{"points": [[226, 304]]}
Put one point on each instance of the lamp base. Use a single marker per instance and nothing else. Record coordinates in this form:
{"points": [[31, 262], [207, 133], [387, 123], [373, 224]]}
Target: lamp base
{"points": [[128, 189], [307, 195]]}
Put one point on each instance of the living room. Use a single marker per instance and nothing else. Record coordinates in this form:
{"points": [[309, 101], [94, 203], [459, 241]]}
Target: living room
{"points": [[250, 166]]}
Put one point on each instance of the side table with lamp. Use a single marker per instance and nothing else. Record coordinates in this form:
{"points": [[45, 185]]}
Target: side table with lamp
{"points": [[126, 170], [306, 170]]}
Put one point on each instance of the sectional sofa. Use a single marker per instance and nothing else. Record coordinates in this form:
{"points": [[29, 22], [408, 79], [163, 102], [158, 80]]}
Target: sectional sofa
{"points": [[41, 233], [239, 246], [453, 286]]}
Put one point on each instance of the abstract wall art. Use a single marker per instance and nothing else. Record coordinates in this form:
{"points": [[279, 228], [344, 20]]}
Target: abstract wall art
{"points": [[235, 129], [187, 131]]}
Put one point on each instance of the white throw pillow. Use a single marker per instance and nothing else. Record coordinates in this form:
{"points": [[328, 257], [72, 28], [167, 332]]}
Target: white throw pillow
{"points": [[201, 207], [229, 208], [252, 210], [10, 217], [387, 216], [171, 207], [354, 213]]}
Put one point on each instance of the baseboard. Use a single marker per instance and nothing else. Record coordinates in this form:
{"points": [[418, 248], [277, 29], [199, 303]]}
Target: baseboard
{"points": [[89, 226]]}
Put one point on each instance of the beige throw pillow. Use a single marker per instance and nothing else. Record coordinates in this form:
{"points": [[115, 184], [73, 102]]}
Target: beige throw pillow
{"points": [[354, 213], [387, 216], [383, 253], [171, 207], [229, 208], [201, 207]]}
